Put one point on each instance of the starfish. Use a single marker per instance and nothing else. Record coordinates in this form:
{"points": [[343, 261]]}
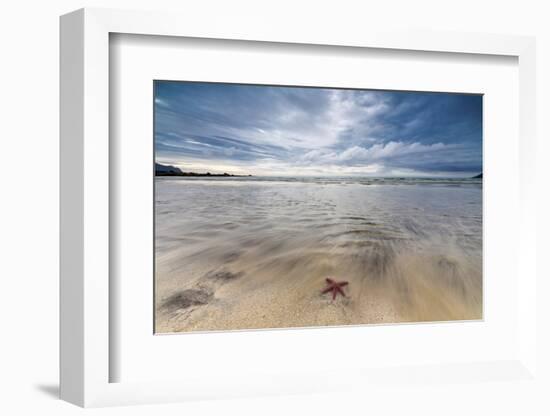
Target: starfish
{"points": [[334, 287]]}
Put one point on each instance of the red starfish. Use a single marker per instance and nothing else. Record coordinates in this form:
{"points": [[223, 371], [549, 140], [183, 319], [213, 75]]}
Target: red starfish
{"points": [[334, 287]]}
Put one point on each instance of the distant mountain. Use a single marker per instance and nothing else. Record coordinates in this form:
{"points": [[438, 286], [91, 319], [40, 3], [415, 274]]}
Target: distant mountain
{"points": [[166, 170], [480, 176]]}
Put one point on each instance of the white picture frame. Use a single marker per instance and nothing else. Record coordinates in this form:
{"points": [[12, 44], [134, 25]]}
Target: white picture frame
{"points": [[86, 265]]}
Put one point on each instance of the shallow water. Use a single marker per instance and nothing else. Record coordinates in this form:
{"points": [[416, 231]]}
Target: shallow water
{"points": [[229, 249]]}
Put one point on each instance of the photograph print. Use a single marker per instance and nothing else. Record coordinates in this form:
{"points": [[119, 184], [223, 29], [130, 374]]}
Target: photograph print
{"points": [[294, 207]]}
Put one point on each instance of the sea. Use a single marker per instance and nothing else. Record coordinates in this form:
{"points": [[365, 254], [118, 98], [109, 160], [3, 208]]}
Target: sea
{"points": [[413, 243]]}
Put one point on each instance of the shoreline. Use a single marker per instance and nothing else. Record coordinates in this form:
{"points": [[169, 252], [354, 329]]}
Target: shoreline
{"points": [[255, 256]]}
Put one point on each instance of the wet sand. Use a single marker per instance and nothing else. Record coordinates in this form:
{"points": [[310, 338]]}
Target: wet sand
{"points": [[247, 254]]}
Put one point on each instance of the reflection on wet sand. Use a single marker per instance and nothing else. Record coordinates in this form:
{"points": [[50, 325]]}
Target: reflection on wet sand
{"points": [[242, 254]]}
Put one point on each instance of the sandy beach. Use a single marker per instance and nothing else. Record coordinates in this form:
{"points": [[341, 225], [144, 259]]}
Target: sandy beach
{"points": [[246, 254]]}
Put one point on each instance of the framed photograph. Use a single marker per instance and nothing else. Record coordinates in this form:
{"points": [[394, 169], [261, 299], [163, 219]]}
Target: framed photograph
{"points": [[284, 206], [278, 198]]}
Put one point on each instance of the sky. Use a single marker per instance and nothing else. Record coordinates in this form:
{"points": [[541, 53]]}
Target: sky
{"points": [[293, 131]]}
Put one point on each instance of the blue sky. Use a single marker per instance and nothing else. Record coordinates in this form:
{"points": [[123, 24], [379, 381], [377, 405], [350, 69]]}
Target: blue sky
{"points": [[262, 130]]}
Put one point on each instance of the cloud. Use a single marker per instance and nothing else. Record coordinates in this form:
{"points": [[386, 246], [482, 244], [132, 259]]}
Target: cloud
{"points": [[276, 130], [357, 155], [161, 102]]}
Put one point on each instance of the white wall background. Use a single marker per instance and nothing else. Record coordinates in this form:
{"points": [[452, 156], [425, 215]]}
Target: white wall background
{"points": [[29, 204]]}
